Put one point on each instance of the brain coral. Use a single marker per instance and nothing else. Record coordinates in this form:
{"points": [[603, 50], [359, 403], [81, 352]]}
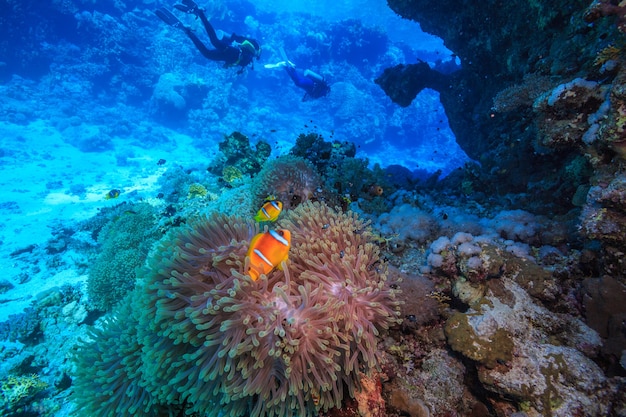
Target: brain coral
{"points": [[291, 179], [214, 342]]}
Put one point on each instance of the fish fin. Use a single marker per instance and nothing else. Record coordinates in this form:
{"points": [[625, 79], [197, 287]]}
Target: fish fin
{"points": [[253, 243], [283, 262], [253, 274]]}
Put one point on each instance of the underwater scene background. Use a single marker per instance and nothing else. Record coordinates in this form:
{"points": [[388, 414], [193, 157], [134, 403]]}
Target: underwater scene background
{"points": [[357, 208]]}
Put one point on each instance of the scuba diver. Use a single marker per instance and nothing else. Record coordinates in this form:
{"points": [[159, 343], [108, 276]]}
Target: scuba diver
{"points": [[312, 83], [234, 50]]}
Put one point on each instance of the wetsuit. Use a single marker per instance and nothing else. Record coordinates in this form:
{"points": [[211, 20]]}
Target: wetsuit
{"points": [[224, 50], [315, 88]]}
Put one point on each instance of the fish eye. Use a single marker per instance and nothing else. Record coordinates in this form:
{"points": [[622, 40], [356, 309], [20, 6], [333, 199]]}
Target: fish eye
{"points": [[280, 232]]}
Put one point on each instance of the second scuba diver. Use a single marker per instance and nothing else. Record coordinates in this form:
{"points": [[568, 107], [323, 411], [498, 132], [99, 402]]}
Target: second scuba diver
{"points": [[314, 85]]}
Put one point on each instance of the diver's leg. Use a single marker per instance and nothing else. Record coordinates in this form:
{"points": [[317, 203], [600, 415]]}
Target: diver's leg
{"points": [[215, 41], [292, 74], [310, 74], [189, 6], [297, 78], [212, 54]]}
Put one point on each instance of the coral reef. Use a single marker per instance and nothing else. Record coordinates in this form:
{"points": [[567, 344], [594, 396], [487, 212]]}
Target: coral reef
{"points": [[604, 300], [346, 179], [548, 353], [124, 243], [501, 59], [522, 95], [564, 113], [354, 42], [495, 324], [520, 349], [321, 153], [313, 147], [231, 175], [197, 190], [608, 124], [603, 8], [18, 390], [353, 181], [238, 154], [197, 332], [403, 83], [603, 219], [290, 179]]}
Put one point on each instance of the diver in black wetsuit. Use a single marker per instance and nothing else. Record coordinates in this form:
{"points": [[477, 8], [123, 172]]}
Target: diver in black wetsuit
{"points": [[234, 50]]}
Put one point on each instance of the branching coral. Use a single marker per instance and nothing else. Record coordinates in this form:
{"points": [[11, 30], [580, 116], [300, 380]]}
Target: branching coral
{"points": [[15, 391], [288, 344]]}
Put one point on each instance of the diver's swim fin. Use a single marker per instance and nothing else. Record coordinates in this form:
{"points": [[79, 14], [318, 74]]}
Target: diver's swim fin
{"points": [[286, 61], [166, 16], [280, 64], [283, 55], [188, 6]]}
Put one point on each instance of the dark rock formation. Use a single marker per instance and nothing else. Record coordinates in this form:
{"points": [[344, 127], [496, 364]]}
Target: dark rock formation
{"points": [[511, 53]]}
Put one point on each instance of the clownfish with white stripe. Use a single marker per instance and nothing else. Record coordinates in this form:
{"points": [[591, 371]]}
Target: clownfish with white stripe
{"points": [[267, 251], [269, 212]]}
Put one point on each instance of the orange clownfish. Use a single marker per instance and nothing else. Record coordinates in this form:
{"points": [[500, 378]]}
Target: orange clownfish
{"points": [[269, 212], [267, 251]]}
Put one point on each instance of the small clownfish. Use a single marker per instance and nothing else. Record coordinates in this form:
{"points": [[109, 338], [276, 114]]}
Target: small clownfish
{"points": [[112, 194], [269, 212], [267, 251]]}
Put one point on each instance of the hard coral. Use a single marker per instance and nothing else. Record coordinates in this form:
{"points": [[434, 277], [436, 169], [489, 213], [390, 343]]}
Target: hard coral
{"points": [[601, 8], [237, 152], [15, 391], [565, 113], [197, 190], [124, 241], [291, 179], [201, 333]]}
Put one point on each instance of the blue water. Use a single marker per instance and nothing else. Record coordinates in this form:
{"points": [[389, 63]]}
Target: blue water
{"points": [[86, 58]]}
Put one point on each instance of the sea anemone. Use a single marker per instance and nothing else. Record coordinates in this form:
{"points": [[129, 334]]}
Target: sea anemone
{"points": [[290, 179], [215, 342], [107, 380]]}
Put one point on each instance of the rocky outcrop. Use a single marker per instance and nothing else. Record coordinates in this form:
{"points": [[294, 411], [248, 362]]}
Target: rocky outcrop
{"points": [[511, 54]]}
